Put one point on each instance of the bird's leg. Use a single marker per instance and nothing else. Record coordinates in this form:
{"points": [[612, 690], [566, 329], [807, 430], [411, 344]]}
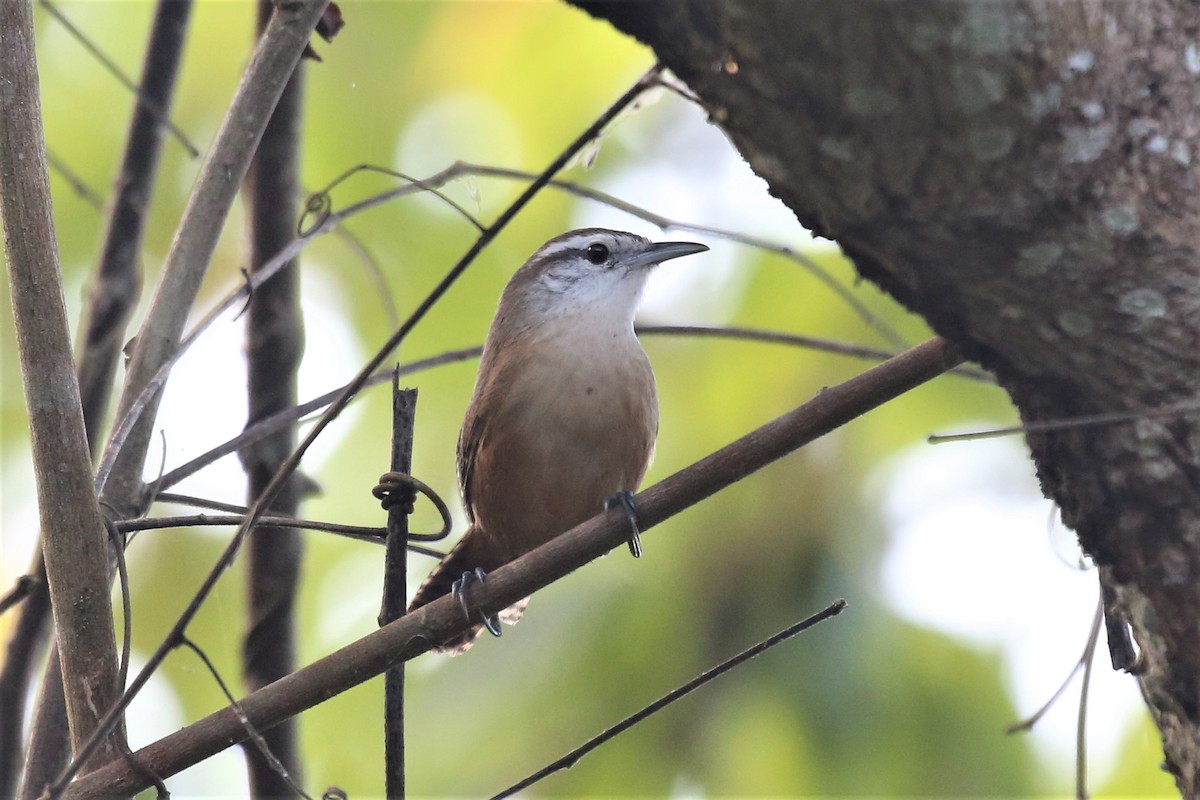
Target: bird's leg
{"points": [[462, 588], [624, 500]]}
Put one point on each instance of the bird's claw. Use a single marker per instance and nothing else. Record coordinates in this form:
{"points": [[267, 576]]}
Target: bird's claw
{"points": [[624, 500], [462, 588]]}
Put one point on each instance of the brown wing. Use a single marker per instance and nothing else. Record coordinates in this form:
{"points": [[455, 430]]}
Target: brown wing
{"points": [[469, 440]]}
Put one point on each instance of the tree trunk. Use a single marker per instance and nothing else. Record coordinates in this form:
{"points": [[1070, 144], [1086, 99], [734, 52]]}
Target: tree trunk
{"points": [[1020, 174]]}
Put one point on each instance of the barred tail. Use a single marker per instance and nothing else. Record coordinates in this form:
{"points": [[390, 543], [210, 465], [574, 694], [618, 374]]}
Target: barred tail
{"points": [[465, 556]]}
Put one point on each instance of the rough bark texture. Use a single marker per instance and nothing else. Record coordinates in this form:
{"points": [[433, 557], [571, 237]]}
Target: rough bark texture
{"points": [[1020, 174]]}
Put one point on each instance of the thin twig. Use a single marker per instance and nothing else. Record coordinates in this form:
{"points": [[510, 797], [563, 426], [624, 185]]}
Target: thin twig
{"points": [[277, 421], [395, 583], [572, 758], [20, 590], [1067, 423], [666, 224], [253, 733], [442, 619], [1026, 724], [23, 654], [148, 101], [1081, 790], [359, 533], [289, 465], [795, 340], [77, 184], [374, 270], [117, 540], [320, 202]]}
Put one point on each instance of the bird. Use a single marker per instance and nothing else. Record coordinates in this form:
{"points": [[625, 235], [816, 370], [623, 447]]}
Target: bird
{"points": [[564, 415]]}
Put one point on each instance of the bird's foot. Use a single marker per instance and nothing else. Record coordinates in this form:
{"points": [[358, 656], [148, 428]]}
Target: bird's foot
{"points": [[624, 500], [462, 590]]}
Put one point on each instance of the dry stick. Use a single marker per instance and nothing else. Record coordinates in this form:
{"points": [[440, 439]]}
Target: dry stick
{"points": [[274, 346], [283, 418], [395, 589], [74, 544], [252, 733], [415, 633], [290, 464], [21, 588], [795, 340], [77, 184], [318, 203], [1066, 423], [274, 59], [360, 533], [115, 286], [572, 758], [111, 297], [328, 222], [152, 104]]}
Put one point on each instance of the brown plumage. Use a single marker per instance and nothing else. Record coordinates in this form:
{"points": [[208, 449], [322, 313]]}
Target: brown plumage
{"points": [[564, 412]]}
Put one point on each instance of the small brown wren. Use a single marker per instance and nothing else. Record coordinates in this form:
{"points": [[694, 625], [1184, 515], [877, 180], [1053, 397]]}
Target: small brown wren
{"points": [[564, 413]]}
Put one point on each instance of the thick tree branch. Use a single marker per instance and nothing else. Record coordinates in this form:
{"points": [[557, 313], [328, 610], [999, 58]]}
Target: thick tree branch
{"points": [[74, 543], [415, 633], [111, 297], [1021, 174]]}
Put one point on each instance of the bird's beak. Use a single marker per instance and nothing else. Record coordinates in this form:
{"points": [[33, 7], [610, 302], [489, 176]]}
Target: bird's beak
{"points": [[658, 252]]}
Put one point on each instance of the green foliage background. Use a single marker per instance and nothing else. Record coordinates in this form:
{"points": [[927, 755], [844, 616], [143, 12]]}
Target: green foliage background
{"points": [[867, 705]]}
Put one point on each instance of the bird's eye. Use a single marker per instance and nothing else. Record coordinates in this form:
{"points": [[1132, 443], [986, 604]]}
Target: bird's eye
{"points": [[597, 253]]}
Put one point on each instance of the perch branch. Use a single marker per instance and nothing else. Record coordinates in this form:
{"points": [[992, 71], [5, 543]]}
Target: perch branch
{"points": [[415, 633]]}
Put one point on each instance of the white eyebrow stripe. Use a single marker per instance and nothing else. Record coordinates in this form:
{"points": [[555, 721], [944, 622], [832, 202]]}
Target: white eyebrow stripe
{"points": [[577, 240]]}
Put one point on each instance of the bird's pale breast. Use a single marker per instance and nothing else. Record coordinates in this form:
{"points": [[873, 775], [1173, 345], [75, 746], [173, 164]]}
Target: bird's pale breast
{"points": [[573, 427]]}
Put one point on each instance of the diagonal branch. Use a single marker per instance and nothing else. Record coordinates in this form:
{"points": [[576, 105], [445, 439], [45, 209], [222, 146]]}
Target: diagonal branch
{"points": [[224, 167], [575, 754], [115, 286], [415, 633]]}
